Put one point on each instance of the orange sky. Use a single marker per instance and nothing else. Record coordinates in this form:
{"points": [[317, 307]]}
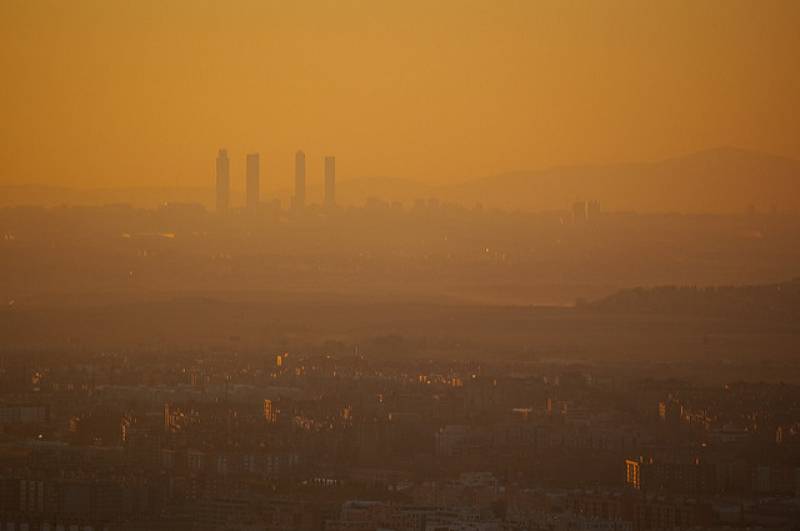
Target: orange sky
{"points": [[143, 92]]}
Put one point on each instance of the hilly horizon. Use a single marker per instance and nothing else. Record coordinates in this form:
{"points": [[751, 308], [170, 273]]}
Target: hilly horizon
{"points": [[685, 183]]}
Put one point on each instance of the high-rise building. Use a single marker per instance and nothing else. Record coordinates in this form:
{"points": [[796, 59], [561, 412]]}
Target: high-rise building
{"points": [[299, 180], [593, 210], [223, 181], [253, 181], [579, 212], [330, 181]]}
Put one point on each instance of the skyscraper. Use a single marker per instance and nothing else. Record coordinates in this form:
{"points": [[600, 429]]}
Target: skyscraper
{"points": [[579, 211], [592, 210], [223, 181], [330, 181], [299, 180], [253, 181]]}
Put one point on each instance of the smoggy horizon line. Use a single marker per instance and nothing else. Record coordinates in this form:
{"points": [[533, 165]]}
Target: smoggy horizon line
{"points": [[542, 169]]}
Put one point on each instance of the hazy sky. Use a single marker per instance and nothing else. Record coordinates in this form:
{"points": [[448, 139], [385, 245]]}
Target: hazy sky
{"points": [[143, 92]]}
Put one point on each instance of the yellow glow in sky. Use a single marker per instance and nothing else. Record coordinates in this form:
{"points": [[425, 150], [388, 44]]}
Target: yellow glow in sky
{"points": [[144, 92]]}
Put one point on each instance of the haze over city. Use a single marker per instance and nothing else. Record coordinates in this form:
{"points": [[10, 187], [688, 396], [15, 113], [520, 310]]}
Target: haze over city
{"points": [[399, 266]]}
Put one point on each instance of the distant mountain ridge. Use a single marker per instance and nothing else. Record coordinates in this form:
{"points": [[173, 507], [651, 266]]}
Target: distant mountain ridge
{"points": [[715, 180], [775, 302]]}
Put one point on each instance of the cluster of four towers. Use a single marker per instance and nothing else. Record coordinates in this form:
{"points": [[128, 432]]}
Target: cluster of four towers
{"points": [[253, 181]]}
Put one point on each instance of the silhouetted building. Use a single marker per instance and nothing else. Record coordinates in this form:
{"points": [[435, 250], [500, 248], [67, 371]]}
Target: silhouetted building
{"points": [[592, 210], [579, 211], [253, 181], [330, 181], [583, 211], [223, 181], [299, 180]]}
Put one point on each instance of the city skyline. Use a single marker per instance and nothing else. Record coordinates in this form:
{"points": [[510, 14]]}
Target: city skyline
{"points": [[753, 181], [400, 265], [395, 90], [743, 168], [253, 182]]}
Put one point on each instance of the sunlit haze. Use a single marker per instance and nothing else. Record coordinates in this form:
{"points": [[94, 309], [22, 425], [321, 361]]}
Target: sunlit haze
{"points": [[400, 265], [119, 93]]}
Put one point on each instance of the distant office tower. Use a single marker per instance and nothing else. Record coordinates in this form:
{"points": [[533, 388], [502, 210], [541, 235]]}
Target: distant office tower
{"points": [[299, 180], [330, 181], [253, 181], [579, 211], [592, 210], [223, 181]]}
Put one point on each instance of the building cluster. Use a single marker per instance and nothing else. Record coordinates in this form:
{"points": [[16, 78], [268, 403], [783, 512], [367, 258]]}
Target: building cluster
{"points": [[327, 442], [253, 181]]}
